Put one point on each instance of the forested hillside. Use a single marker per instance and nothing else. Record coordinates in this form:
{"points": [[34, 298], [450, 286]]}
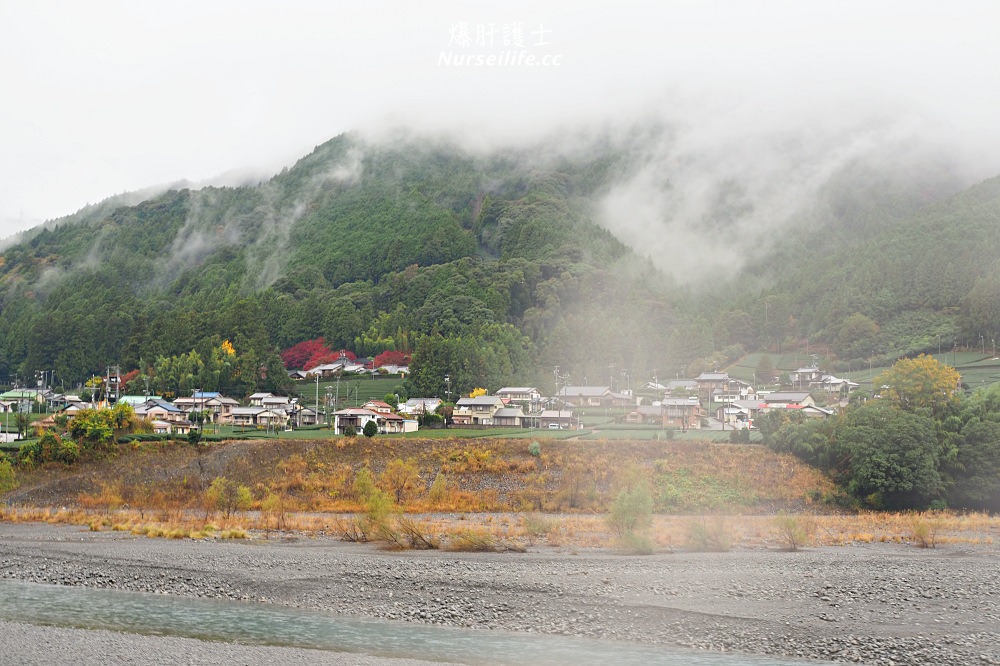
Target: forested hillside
{"points": [[491, 267]]}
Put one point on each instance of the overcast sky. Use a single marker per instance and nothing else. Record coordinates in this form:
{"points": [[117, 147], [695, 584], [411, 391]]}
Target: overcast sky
{"points": [[101, 97]]}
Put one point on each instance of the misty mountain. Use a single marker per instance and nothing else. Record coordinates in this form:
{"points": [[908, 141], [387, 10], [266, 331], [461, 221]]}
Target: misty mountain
{"points": [[612, 256]]}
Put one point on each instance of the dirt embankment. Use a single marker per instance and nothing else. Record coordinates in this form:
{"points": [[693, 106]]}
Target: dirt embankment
{"points": [[473, 475]]}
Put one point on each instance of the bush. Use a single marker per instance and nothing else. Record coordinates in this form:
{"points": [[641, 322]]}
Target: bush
{"points": [[535, 449], [708, 536], [370, 429], [637, 544], [923, 531], [632, 510], [8, 477], [30, 453], [439, 490], [68, 451], [228, 497], [350, 431], [793, 531]]}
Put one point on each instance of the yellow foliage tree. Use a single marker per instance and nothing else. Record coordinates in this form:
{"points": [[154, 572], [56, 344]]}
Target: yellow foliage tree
{"points": [[476, 392], [919, 383]]}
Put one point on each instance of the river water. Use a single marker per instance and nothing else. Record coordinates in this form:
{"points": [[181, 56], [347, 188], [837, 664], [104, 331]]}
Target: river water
{"points": [[267, 624]]}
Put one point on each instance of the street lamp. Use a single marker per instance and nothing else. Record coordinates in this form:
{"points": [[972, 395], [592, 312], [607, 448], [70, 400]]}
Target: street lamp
{"points": [[447, 390]]}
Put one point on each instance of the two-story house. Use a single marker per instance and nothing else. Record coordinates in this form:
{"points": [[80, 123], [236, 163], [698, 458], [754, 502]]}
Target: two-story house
{"points": [[526, 397], [586, 396], [477, 411]]}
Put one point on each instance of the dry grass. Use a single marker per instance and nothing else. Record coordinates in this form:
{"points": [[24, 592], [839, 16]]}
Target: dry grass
{"points": [[728, 494], [449, 475], [510, 529]]}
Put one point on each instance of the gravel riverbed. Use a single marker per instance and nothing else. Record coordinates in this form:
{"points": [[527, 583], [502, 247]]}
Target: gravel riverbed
{"points": [[873, 604]]}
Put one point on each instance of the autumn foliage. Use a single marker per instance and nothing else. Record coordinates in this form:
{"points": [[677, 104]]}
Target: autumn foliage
{"points": [[392, 357], [310, 353]]}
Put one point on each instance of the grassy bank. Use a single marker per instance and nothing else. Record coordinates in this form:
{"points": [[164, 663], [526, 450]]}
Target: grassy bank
{"points": [[706, 495]]}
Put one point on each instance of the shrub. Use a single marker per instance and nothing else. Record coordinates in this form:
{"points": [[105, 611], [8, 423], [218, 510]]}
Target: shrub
{"points": [[637, 544], [8, 477], [68, 451], [400, 479], [30, 453], [535, 449], [632, 510], [350, 431], [708, 536], [477, 542], [370, 429], [923, 531], [439, 490], [793, 531], [228, 497], [535, 525], [364, 484]]}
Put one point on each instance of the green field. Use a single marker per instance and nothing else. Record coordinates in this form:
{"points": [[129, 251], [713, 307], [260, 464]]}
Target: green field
{"points": [[352, 392]]}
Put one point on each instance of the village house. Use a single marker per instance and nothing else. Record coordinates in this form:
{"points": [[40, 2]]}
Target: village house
{"points": [[586, 396], [803, 378], [389, 424], [509, 417], [378, 407], [300, 416], [558, 419], [415, 407], [784, 399], [259, 417], [734, 389], [161, 410], [257, 399], [353, 417], [525, 397], [219, 407], [682, 413], [478, 411], [682, 388], [645, 415]]}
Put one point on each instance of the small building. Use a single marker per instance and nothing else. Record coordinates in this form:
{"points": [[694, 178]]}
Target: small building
{"points": [[802, 378], [561, 419], [682, 388], [525, 396], [586, 396], [419, 406], [353, 417], [682, 413], [709, 383], [378, 406], [781, 399], [645, 415], [257, 399], [509, 417], [478, 411], [390, 424], [301, 416]]}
